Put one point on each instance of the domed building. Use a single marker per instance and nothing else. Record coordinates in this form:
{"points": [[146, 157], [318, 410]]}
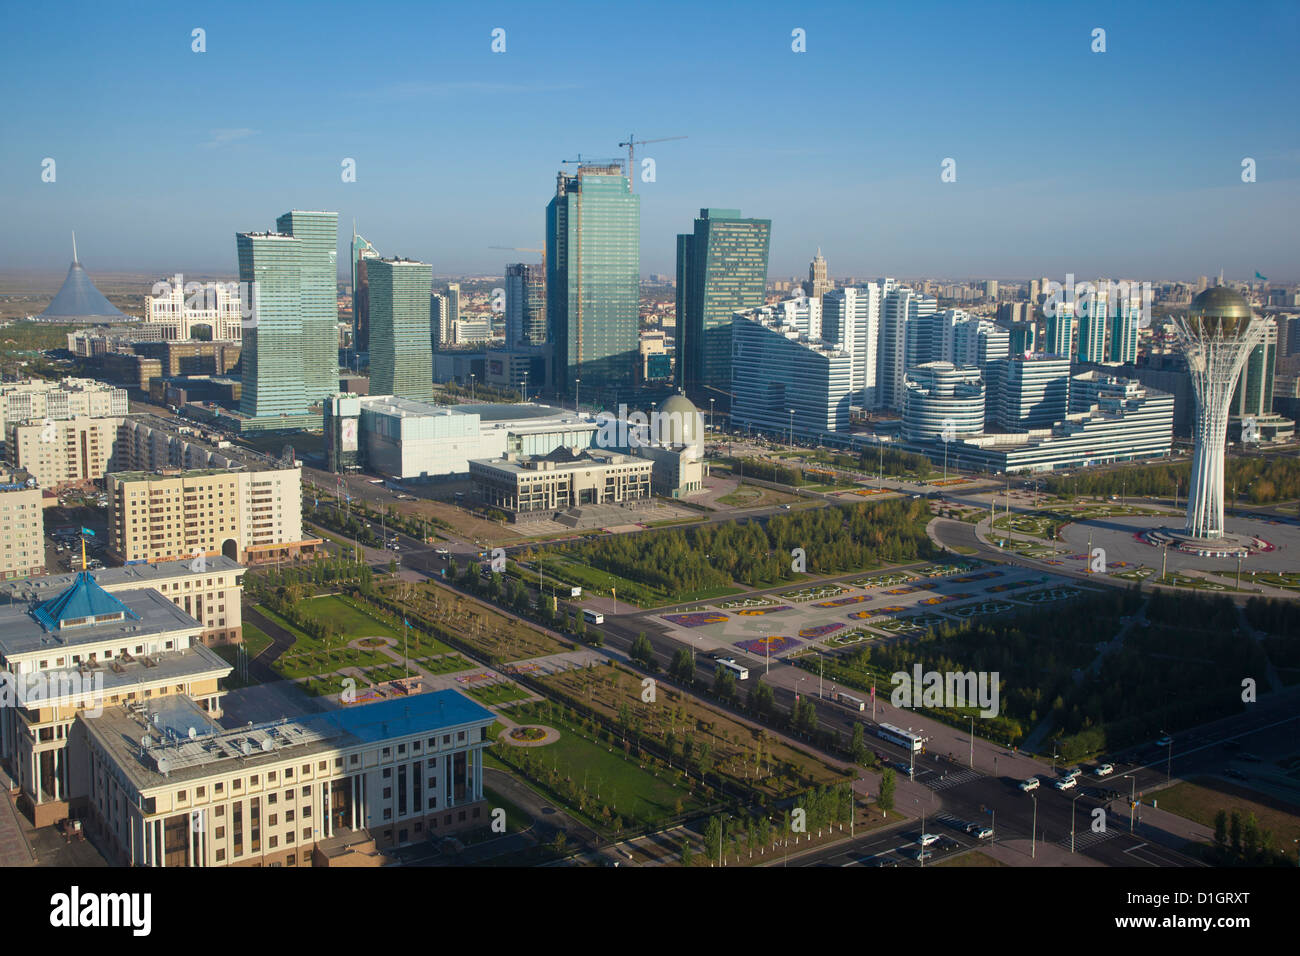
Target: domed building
{"points": [[681, 425], [676, 446]]}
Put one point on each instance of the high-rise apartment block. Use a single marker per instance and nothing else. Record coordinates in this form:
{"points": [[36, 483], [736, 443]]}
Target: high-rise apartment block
{"points": [[401, 356], [173, 496], [22, 527], [851, 323], [32, 399], [721, 269], [62, 453]]}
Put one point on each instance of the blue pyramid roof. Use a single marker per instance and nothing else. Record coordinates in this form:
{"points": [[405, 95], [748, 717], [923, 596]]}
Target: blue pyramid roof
{"points": [[78, 297], [84, 600]]}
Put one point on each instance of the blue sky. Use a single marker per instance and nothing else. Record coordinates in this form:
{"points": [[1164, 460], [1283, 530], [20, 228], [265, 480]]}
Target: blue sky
{"points": [[1126, 162]]}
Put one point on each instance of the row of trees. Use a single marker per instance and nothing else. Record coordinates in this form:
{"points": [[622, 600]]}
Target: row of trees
{"points": [[321, 573], [1239, 842], [711, 557], [1259, 480], [741, 837]]}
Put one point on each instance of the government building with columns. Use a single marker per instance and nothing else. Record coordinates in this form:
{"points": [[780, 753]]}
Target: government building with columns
{"points": [[171, 787]]}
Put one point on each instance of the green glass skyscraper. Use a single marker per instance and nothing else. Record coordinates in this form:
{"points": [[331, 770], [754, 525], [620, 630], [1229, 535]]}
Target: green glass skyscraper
{"points": [[593, 280], [290, 339], [721, 268], [401, 354], [318, 272]]}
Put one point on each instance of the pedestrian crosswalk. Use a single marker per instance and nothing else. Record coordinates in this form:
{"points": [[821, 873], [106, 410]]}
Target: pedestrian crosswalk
{"points": [[1087, 838], [953, 778]]}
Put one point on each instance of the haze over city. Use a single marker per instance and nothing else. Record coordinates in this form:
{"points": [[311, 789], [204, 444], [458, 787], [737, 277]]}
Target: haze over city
{"points": [[1126, 162]]}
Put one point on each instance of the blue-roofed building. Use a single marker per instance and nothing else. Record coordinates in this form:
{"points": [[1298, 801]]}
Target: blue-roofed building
{"points": [[67, 656], [171, 786]]}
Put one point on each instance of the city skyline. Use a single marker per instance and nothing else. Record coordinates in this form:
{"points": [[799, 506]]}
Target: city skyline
{"points": [[1025, 202]]}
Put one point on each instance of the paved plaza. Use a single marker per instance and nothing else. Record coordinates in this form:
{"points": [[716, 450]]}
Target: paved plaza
{"points": [[866, 607], [1118, 538]]}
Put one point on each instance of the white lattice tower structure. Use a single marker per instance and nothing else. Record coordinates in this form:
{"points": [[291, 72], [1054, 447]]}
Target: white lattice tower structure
{"points": [[1216, 337]]}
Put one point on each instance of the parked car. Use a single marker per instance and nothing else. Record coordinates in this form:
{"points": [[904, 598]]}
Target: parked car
{"points": [[983, 833], [921, 854], [1033, 783], [1065, 783], [925, 839], [1105, 770]]}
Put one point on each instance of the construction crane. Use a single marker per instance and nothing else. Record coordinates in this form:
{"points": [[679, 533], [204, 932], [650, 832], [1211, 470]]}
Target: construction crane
{"points": [[616, 161], [632, 143]]}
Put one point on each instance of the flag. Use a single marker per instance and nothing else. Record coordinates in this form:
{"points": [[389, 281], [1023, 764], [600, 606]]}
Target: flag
{"points": [[87, 531], [406, 622], [1258, 276]]}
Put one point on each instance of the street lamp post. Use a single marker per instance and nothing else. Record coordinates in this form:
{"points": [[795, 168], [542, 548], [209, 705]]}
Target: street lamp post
{"points": [[1033, 831], [1132, 798], [525, 384], [471, 386], [791, 436], [1072, 803], [972, 742], [711, 401]]}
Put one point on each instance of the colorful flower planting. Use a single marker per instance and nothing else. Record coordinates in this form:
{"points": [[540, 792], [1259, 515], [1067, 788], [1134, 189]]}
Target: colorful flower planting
{"points": [[768, 646], [821, 630], [697, 619]]}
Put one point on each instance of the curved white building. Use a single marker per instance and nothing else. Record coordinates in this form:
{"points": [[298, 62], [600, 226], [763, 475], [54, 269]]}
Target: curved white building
{"points": [[942, 402]]}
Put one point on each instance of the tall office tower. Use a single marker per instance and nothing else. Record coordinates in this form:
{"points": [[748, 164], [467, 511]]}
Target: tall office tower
{"points": [[972, 341], [439, 323], [1092, 314], [941, 398], [274, 387], [1254, 392], [318, 275], [1202, 284], [1033, 293], [785, 381], [525, 304], [1028, 391], [991, 289], [818, 283], [1126, 311], [851, 322], [1059, 338], [721, 269], [401, 355], [593, 286], [453, 304], [362, 251]]}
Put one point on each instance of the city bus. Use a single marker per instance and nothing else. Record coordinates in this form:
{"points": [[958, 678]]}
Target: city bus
{"points": [[851, 702], [592, 617], [741, 673], [897, 735]]}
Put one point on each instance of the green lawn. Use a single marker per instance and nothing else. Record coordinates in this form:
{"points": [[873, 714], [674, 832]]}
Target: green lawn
{"points": [[516, 818], [620, 782], [502, 693], [355, 623], [255, 639]]}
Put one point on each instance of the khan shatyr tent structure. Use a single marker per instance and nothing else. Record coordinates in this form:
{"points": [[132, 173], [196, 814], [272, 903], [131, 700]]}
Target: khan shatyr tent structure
{"points": [[78, 298]]}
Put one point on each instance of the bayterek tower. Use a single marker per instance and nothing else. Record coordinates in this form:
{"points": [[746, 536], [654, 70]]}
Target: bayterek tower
{"points": [[1216, 336]]}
